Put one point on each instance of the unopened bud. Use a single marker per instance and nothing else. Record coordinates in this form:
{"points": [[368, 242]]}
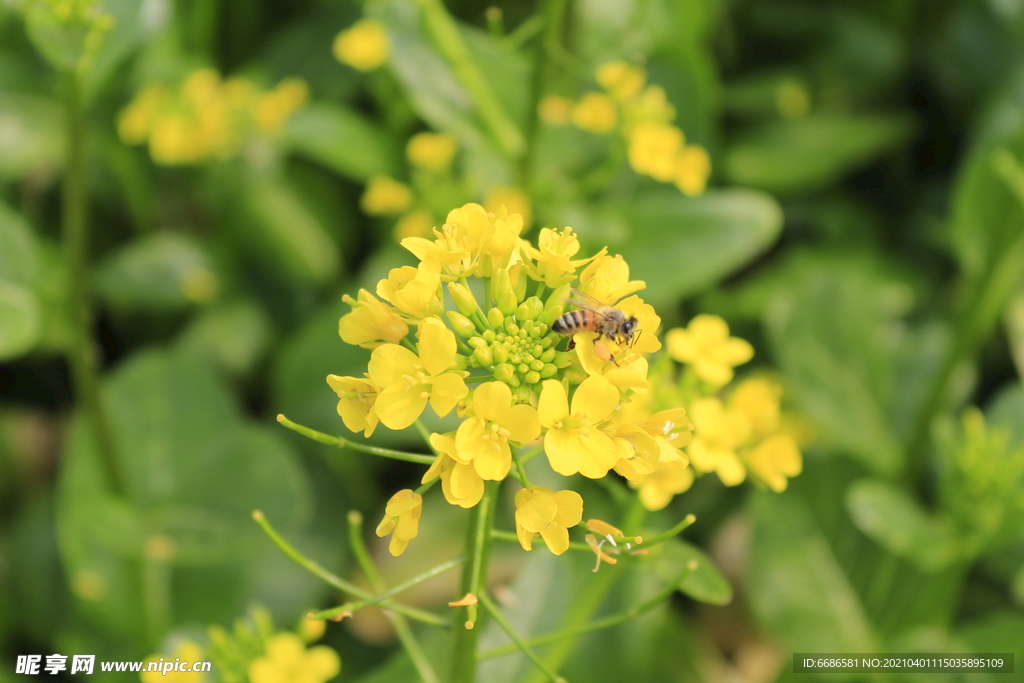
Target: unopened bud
{"points": [[522, 394], [483, 356], [548, 370], [552, 313], [537, 364], [511, 327], [558, 296], [500, 353], [489, 335], [507, 303], [462, 325], [463, 298], [532, 377], [548, 355], [495, 317], [501, 286], [504, 372], [477, 342], [519, 282], [563, 359], [530, 309]]}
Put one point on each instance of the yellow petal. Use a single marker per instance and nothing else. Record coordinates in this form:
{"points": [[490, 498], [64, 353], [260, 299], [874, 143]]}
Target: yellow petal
{"points": [[323, 662], [398, 407], [446, 391], [570, 508], [491, 400], [598, 454], [708, 330], [596, 397], [553, 404], [494, 462], [437, 346], [466, 485], [388, 363], [564, 451], [537, 509], [735, 351], [522, 423], [556, 537]]}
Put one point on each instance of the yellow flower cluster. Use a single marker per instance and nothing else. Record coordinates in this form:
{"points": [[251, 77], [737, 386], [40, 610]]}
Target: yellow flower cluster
{"points": [[643, 116], [288, 661], [363, 46], [207, 117]]}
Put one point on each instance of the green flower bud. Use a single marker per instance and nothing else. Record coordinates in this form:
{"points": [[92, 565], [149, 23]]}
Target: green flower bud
{"points": [[536, 350], [523, 368], [546, 342], [500, 353], [463, 298], [535, 333], [507, 303], [548, 370], [504, 372], [530, 309], [522, 394], [514, 358], [477, 342], [548, 355], [558, 296], [461, 362], [488, 335], [536, 365], [483, 356], [514, 381], [501, 285], [511, 327], [532, 377], [552, 313], [563, 359], [462, 325], [495, 317], [520, 285]]}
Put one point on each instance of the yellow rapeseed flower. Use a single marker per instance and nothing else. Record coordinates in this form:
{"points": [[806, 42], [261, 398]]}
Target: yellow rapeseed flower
{"points": [[401, 520], [460, 482], [431, 151], [513, 199], [416, 223], [276, 106], [545, 513], [654, 150], [693, 166], [706, 345], [607, 280], [553, 255], [622, 80], [189, 653], [595, 113], [554, 109], [371, 322], [356, 399], [385, 196], [472, 241], [413, 290], [658, 488], [718, 434], [136, 120], [573, 441], [408, 380], [288, 661], [483, 439], [775, 459], [652, 106], [758, 398], [363, 46]]}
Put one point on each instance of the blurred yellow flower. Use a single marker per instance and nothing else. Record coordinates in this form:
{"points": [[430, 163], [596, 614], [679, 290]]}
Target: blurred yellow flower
{"points": [[542, 512], [401, 520], [371, 322], [718, 434], [513, 199], [363, 46], [706, 345], [621, 79], [136, 120], [573, 442], [483, 439], [385, 196], [431, 151], [775, 459], [275, 107], [595, 113], [758, 398], [554, 109], [288, 661], [460, 482], [693, 166], [189, 653], [652, 106], [416, 223], [670, 479], [654, 150], [356, 398]]}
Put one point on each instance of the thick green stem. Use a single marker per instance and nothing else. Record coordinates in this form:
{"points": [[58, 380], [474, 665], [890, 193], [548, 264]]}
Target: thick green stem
{"points": [[82, 351], [362, 448], [474, 575]]}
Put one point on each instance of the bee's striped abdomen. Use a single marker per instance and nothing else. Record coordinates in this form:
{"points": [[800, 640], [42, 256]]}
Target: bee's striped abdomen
{"points": [[575, 321]]}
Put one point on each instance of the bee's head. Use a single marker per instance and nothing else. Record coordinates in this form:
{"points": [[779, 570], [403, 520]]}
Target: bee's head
{"points": [[629, 327]]}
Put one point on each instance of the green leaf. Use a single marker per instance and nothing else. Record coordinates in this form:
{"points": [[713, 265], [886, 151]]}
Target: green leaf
{"points": [[896, 521], [31, 136], [681, 245], [287, 233], [1013, 319], [807, 154], [797, 587], [162, 271], [705, 584], [20, 320], [233, 336], [342, 140]]}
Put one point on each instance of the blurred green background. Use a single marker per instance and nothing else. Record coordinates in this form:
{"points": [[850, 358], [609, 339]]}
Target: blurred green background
{"points": [[863, 226]]}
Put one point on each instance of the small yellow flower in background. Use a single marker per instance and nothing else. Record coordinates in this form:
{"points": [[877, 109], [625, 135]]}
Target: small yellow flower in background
{"points": [[189, 653], [401, 520], [416, 223], [408, 380], [554, 110], [693, 166], [775, 459], [461, 484], [718, 435], [431, 151], [652, 106], [371, 322], [622, 80], [542, 512], [288, 661], [654, 150], [274, 108], [136, 120], [513, 199], [706, 345], [658, 488], [311, 630], [356, 402], [758, 398], [573, 442], [385, 196], [483, 439], [595, 113], [363, 46]]}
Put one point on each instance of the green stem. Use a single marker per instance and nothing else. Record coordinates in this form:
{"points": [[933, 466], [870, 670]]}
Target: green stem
{"points": [[589, 599], [341, 584], [671, 533], [474, 574], [449, 42], [362, 448], [606, 622], [523, 479], [518, 642], [81, 351], [352, 607], [405, 635]]}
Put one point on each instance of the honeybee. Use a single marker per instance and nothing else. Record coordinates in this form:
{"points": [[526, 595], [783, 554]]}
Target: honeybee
{"points": [[594, 316]]}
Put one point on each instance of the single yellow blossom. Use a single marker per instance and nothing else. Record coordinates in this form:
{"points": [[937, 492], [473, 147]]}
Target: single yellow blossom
{"points": [[172, 141], [573, 441], [670, 479], [401, 520], [706, 345], [413, 290], [654, 150], [431, 151], [483, 439], [758, 398], [471, 242], [639, 453], [189, 653], [545, 513], [693, 166], [672, 431], [274, 108], [554, 109], [416, 223], [363, 46], [513, 199], [775, 459], [621, 79], [461, 484], [553, 255], [408, 380], [356, 399], [607, 280], [371, 322], [288, 661], [385, 196], [718, 434], [136, 120], [595, 113]]}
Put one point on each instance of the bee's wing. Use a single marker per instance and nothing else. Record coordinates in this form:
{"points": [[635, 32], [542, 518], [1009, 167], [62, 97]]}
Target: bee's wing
{"points": [[585, 301]]}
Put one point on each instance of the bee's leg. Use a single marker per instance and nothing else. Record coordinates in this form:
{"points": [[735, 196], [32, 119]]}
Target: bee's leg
{"points": [[605, 347], [571, 345]]}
